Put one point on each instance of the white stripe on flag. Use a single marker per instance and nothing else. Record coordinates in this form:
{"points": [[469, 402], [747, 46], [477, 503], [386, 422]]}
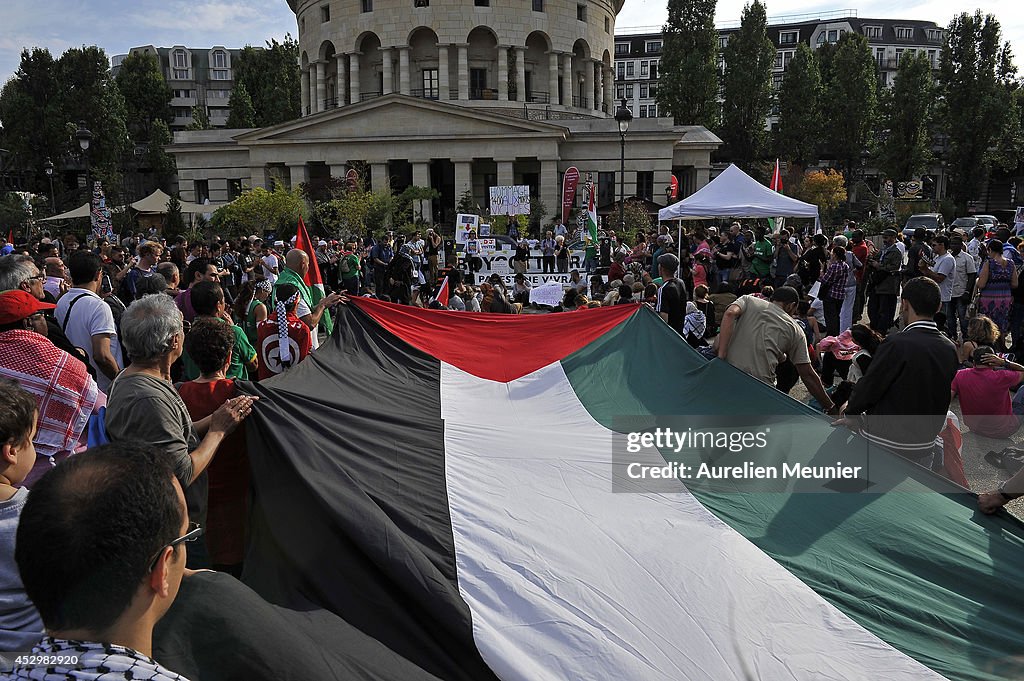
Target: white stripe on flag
{"points": [[566, 580]]}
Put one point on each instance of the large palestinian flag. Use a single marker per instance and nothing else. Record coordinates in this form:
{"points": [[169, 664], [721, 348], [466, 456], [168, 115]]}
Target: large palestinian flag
{"points": [[442, 483]]}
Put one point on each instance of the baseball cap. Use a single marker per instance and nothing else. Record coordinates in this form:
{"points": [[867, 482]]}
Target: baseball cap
{"points": [[279, 243], [889, 232], [17, 305], [322, 243]]}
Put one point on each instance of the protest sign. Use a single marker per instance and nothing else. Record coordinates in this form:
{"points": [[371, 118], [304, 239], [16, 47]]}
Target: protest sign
{"points": [[510, 200]]}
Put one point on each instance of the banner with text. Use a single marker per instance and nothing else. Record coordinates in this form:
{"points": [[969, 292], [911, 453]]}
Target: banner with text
{"points": [[510, 200], [569, 182]]}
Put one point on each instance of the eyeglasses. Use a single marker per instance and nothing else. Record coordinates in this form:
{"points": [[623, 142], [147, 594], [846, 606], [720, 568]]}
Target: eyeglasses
{"points": [[195, 531], [39, 277]]}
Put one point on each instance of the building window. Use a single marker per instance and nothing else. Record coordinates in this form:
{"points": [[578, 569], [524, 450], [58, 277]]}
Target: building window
{"points": [[880, 55], [883, 78], [430, 90], [478, 84], [220, 59], [654, 70], [620, 69], [935, 34], [723, 41], [482, 3], [234, 189], [643, 111], [645, 69], [645, 181], [654, 90], [367, 5], [325, 13], [629, 92], [933, 58], [538, 5], [605, 188], [786, 58], [652, 110], [873, 31], [653, 47], [788, 37], [778, 60], [182, 94], [899, 55], [776, 80], [180, 59], [904, 33], [181, 112], [820, 40], [581, 12], [629, 69], [621, 48], [833, 36], [644, 91], [221, 74], [202, 188], [607, 25], [620, 92], [420, 4], [218, 94]]}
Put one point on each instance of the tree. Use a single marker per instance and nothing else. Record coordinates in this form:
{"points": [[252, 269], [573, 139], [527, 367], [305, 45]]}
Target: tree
{"points": [[907, 113], [271, 77], [160, 162], [799, 128], [200, 119], [33, 122], [824, 188], [241, 114], [688, 78], [851, 86], [976, 73], [87, 93], [747, 87], [146, 94], [174, 222], [259, 211]]}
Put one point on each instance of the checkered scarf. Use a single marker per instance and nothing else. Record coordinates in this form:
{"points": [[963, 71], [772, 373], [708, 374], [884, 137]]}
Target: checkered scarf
{"points": [[64, 391], [96, 662], [284, 349]]}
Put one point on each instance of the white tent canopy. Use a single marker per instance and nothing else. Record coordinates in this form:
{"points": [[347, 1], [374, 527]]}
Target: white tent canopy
{"points": [[80, 212], [734, 194], [156, 204]]}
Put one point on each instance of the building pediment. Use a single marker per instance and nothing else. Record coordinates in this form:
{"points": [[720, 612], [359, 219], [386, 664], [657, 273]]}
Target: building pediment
{"points": [[397, 116]]}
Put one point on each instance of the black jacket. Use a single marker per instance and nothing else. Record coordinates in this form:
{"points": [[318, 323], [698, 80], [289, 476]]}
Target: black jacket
{"points": [[905, 394]]}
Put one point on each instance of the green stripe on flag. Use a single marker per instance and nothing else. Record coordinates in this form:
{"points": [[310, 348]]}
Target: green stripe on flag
{"points": [[917, 565]]}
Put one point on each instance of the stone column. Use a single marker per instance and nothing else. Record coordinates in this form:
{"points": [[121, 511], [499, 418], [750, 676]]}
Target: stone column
{"points": [[463, 176], [312, 89], [567, 87], [587, 91], [379, 177], [521, 74], [442, 73], [304, 91], [550, 192], [389, 77], [321, 86], [258, 177], [353, 77], [702, 175], [502, 80], [609, 90], [342, 86], [463, 72], [598, 86], [553, 77], [506, 173], [297, 174], [403, 70], [421, 178]]}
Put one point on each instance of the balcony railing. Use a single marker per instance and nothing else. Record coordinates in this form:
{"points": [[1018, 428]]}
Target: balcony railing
{"points": [[331, 103], [427, 93], [535, 97], [483, 93], [363, 96], [581, 102]]}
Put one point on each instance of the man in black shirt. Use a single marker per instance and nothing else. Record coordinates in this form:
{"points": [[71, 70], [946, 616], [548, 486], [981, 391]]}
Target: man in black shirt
{"points": [[671, 294]]}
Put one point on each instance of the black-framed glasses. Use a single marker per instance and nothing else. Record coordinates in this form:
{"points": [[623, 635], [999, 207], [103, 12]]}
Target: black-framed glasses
{"points": [[195, 531], [39, 277]]}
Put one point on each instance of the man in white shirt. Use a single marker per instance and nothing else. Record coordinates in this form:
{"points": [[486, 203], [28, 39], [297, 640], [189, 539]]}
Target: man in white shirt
{"points": [[270, 264], [964, 275], [975, 246], [88, 322], [55, 282], [942, 272], [560, 229]]}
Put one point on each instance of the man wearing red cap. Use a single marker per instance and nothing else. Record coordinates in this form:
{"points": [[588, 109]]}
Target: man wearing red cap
{"points": [[65, 393]]}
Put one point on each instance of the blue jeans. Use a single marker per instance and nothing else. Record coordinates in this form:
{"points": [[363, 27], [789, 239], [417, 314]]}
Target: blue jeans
{"points": [[723, 275]]}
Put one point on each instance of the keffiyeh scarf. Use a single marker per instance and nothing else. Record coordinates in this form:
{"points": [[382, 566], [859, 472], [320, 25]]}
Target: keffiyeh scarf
{"points": [[65, 393], [96, 662], [284, 348]]}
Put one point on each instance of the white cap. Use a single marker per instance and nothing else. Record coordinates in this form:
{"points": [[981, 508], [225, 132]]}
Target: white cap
{"points": [[279, 243], [322, 243]]}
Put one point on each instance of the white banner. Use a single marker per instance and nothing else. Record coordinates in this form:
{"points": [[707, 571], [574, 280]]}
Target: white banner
{"points": [[510, 200], [547, 294]]}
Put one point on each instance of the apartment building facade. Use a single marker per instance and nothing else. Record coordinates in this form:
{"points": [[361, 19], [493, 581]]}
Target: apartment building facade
{"points": [[197, 77]]}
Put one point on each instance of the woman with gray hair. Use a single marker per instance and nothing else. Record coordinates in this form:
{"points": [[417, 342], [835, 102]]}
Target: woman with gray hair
{"points": [[143, 404]]}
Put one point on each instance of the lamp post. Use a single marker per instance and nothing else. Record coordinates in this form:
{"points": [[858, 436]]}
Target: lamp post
{"points": [[668, 194], [622, 117], [84, 137], [48, 169]]}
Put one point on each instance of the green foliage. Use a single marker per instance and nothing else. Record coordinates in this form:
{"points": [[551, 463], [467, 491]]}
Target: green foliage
{"points": [[161, 163], [637, 220], [413, 198], [688, 76], [747, 87], [466, 203], [241, 114], [800, 122], [200, 119], [977, 77], [259, 211], [851, 86], [146, 94], [907, 112], [538, 212], [87, 93], [174, 221], [271, 77], [13, 213], [824, 188]]}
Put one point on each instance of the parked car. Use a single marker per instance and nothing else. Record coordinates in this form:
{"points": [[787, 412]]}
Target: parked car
{"points": [[989, 222], [967, 224], [933, 222]]}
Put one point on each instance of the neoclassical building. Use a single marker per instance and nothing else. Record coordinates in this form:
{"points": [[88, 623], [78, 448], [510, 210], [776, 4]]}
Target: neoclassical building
{"points": [[453, 94]]}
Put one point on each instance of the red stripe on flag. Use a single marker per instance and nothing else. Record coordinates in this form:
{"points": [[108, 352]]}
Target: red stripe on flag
{"points": [[442, 293], [303, 242], [482, 343]]}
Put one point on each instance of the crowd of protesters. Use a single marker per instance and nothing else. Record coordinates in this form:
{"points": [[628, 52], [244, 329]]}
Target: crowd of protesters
{"points": [[136, 347]]}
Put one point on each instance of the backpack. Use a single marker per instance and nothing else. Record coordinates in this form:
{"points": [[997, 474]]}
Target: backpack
{"points": [[346, 265]]}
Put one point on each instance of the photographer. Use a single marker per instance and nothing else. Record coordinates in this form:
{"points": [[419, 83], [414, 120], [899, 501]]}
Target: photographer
{"points": [[883, 286]]}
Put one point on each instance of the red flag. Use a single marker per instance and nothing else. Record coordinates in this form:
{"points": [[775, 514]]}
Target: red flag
{"points": [[303, 242], [569, 181], [10, 236], [442, 293], [776, 183], [675, 188]]}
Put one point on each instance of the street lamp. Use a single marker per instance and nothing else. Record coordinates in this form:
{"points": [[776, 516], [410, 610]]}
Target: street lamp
{"points": [[668, 194], [48, 169], [622, 117], [84, 137]]}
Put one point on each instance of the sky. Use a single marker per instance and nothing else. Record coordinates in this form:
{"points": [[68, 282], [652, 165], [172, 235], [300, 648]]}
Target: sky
{"points": [[117, 25]]}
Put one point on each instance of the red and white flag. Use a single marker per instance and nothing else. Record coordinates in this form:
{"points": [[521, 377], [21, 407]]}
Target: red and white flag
{"points": [[776, 183], [313, 279], [442, 293]]}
